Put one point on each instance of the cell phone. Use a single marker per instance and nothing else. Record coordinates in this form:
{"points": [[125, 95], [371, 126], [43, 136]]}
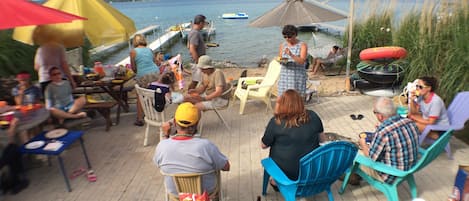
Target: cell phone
{"points": [[368, 136]]}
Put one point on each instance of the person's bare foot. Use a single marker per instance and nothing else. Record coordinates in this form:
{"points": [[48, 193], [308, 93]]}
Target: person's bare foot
{"points": [[81, 115]]}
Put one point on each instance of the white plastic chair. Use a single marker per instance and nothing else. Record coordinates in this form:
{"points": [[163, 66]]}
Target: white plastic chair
{"points": [[192, 183], [217, 110], [152, 117], [260, 91]]}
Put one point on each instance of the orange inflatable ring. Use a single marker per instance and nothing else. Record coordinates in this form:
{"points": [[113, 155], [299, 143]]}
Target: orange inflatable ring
{"points": [[388, 52]]}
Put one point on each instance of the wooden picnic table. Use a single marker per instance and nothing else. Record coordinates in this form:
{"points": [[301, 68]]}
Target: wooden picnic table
{"points": [[113, 87]]}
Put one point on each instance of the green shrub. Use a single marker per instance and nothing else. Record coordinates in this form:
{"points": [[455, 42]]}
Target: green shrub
{"points": [[15, 56]]}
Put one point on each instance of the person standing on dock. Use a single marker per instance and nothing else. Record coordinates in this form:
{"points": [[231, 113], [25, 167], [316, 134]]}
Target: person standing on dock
{"points": [[141, 60], [197, 47]]}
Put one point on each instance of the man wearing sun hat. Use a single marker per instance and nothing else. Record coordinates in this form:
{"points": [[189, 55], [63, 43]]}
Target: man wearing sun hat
{"points": [[182, 153], [210, 93]]}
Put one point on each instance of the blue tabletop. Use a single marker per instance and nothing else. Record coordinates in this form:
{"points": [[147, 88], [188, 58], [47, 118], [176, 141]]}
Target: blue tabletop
{"points": [[67, 140]]}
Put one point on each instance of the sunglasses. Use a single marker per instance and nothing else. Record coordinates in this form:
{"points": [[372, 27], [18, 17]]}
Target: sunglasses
{"points": [[420, 87], [287, 36], [54, 74]]}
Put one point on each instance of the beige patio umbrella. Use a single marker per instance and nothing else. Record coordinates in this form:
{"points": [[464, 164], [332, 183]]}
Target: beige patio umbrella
{"points": [[298, 12], [105, 25]]}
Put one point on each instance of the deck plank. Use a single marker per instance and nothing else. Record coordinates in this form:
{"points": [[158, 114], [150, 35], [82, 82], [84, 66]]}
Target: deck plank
{"points": [[126, 171]]}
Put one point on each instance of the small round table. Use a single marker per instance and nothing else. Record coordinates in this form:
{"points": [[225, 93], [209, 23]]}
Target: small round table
{"points": [[29, 120]]}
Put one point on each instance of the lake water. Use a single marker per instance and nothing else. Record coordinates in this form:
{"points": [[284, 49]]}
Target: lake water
{"points": [[239, 43]]}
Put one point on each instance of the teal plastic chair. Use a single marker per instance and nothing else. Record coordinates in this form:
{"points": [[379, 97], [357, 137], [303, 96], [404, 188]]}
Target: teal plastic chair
{"points": [[390, 190], [318, 170]]}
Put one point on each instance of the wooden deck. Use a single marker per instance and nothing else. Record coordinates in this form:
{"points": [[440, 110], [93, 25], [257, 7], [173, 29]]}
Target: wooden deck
{"points": [[125, 169]]}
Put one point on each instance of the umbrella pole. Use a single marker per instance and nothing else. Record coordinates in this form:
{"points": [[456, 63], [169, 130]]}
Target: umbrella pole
{"points": [[349, 51]]}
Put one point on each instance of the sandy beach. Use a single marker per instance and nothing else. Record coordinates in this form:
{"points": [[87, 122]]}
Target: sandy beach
{"points": [[330, 85]]}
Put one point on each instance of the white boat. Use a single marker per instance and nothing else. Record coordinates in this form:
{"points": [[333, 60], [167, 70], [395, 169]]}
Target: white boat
{"points": [[207, 32], [235, 16]]}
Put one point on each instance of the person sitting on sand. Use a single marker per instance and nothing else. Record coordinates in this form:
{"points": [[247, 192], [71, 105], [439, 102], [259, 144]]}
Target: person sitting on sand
{"points": [[59, 98], [334, 55]]}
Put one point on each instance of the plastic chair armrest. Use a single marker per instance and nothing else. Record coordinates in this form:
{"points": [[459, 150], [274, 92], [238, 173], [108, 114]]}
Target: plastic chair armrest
{"points": [[258, 86], [249, 78], [436, 128], [275, 172], [381, 167], [242, 79], [422, 151], [432, 128]]}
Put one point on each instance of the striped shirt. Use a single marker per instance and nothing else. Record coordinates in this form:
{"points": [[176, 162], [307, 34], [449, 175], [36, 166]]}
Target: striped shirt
{"points": [[395, 144]]}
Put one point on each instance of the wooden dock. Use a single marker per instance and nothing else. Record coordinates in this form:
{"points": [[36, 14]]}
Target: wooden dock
{"points": [[106, 49], [166, 38], [323, 27], [329, 28]]}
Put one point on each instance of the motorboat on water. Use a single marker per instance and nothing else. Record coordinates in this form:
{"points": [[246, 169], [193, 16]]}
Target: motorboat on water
{"points": [[235, 16], [207, 32]]}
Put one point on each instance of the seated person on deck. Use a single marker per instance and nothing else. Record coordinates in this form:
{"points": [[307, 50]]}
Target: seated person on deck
{"points": [[334, 55], [395, 141], [13, 180], [59, 98], [427, 108], [213, 86], [25, 93], [183, 153]]}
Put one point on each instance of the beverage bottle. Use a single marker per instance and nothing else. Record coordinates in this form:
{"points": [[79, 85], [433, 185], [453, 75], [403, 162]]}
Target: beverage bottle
{"points": [[81, 70], [98, 68]]}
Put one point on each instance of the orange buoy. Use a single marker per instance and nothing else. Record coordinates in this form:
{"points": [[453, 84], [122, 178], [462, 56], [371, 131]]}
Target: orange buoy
{"points": [[387, 52]]}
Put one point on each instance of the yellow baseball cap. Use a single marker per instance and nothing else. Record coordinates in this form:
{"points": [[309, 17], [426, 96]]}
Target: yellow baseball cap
{"points": [[186, 115]]}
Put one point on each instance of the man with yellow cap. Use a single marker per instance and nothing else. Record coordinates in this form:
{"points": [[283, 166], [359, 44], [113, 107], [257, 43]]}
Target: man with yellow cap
{"points": [[182, 153]]}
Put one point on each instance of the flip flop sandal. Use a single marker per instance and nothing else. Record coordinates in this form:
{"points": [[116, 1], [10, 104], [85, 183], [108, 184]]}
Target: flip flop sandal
{"points": [[77, 172], [360, 117], [353, 117], [91, 176]]}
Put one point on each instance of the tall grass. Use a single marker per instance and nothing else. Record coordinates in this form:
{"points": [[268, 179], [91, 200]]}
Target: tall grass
{"points": [[15, 56], [435, 36]]}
